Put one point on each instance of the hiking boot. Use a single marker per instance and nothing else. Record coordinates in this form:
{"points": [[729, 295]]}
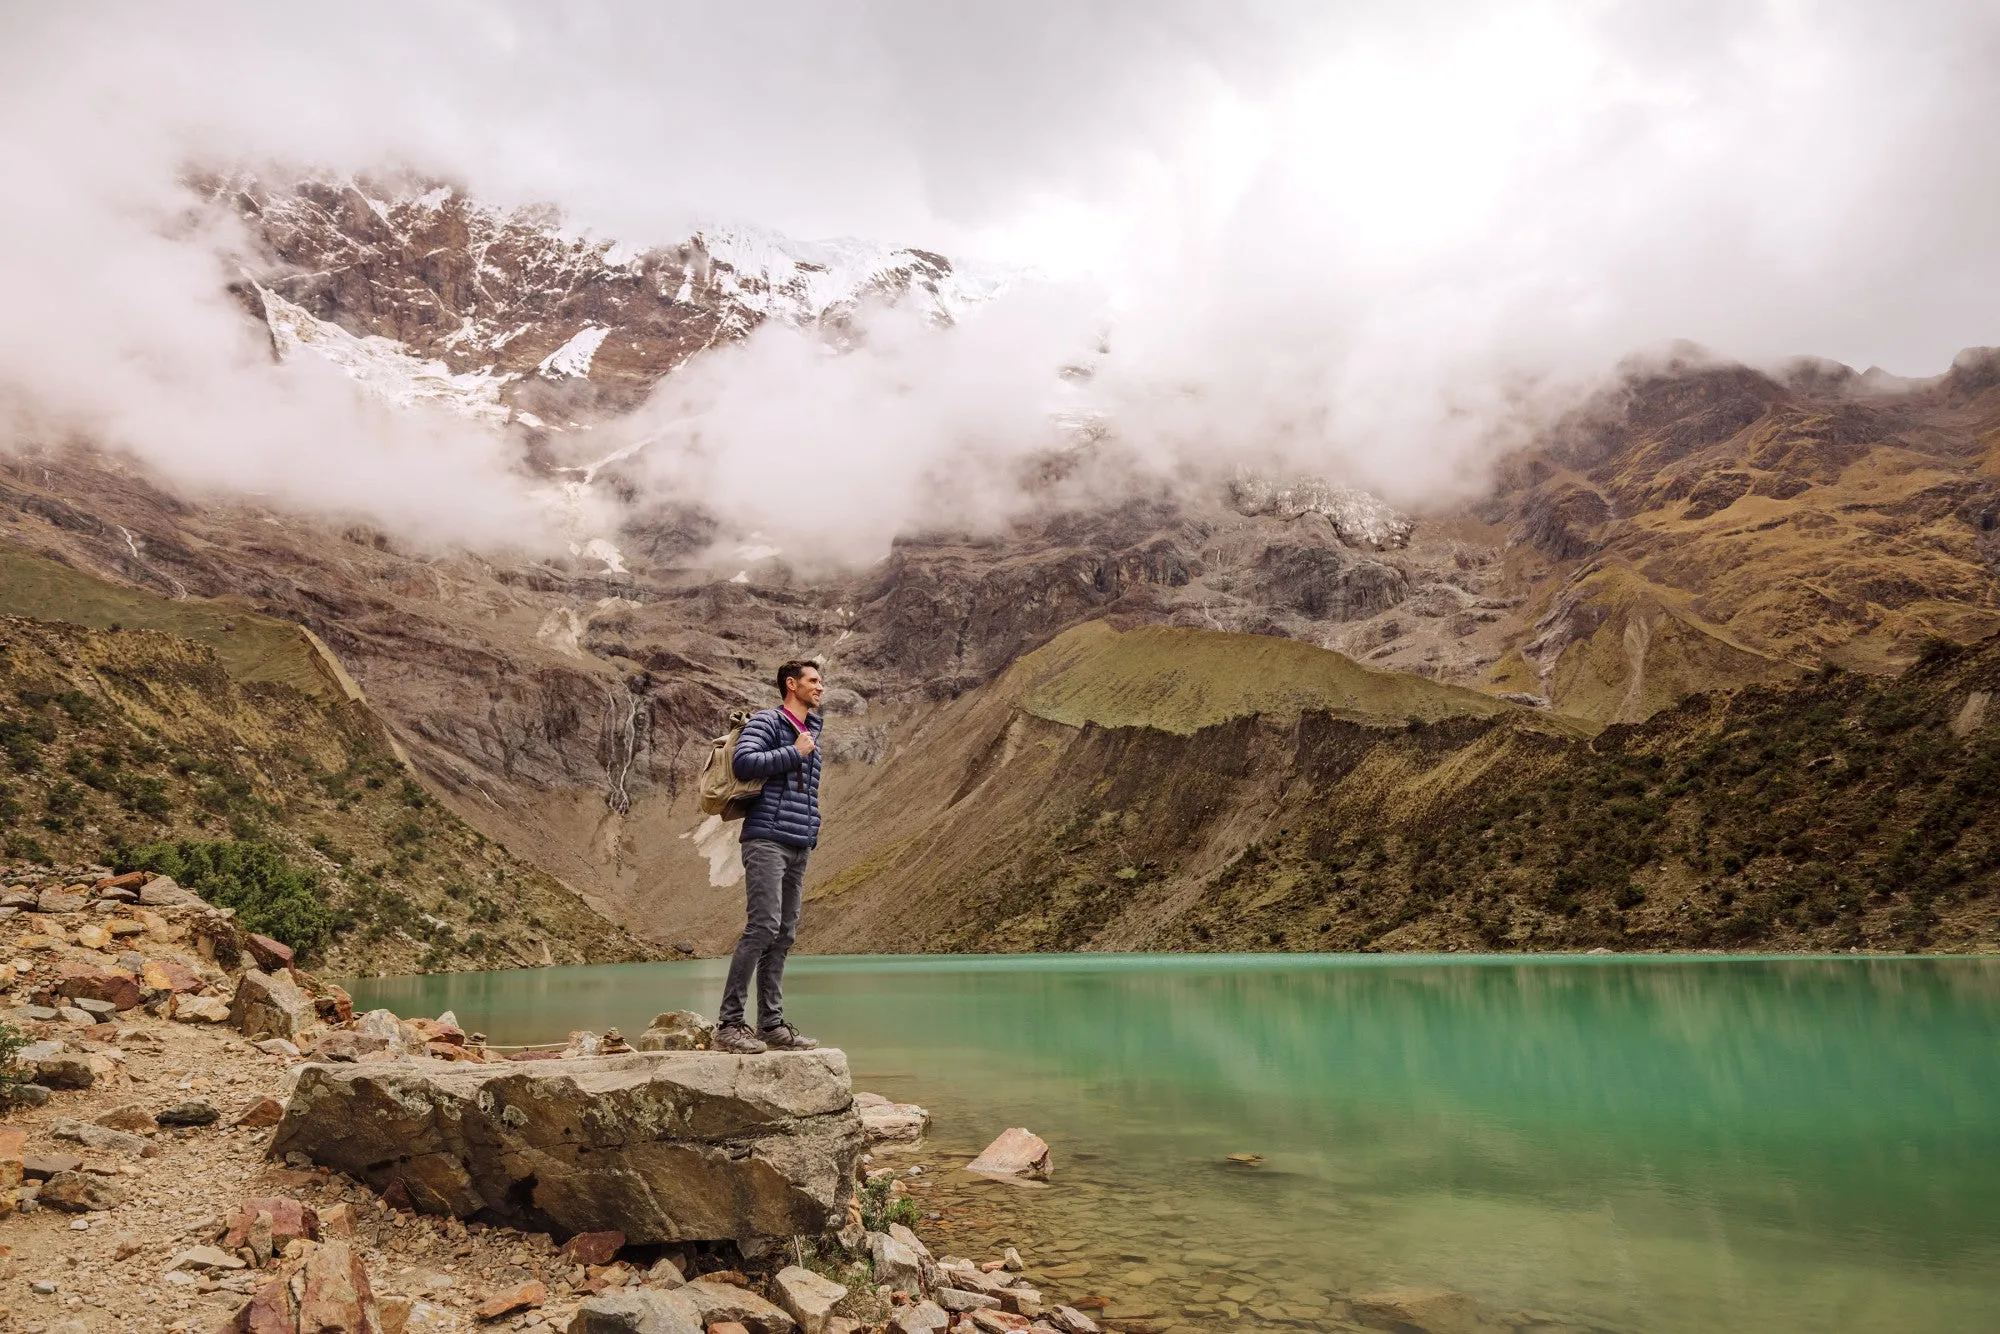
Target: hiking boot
{"points": [[739, 1039], [783, 1037]]}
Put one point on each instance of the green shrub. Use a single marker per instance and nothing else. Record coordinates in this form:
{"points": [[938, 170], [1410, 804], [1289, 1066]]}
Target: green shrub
{"points": [[878, 1210], [270, 895], [12, 1076]]}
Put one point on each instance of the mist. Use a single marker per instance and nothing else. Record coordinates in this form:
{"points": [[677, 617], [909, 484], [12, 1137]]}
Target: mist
{"points": [[1381, 245]]}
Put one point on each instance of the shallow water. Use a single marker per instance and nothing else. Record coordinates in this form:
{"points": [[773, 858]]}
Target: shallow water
{"points": [[1615, 1144]]}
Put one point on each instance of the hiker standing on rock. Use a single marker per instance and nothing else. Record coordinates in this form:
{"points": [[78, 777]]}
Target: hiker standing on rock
{"points": [[780, 829]]}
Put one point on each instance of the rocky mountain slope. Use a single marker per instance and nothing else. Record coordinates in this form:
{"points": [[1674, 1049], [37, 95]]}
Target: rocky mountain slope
{"points": [[1696, 527], [119, 740]]}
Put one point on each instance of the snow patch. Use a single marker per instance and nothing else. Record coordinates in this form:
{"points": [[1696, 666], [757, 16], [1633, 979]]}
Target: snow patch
{"points": [[574, 357], [1358, 518], [383, 366]]}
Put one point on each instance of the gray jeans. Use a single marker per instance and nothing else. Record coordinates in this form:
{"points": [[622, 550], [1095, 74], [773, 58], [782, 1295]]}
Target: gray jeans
{"points": [[774, 877]]}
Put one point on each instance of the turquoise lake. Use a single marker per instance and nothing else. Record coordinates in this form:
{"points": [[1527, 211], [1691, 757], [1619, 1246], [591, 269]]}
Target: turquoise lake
{"points": [[1624, 1144]]}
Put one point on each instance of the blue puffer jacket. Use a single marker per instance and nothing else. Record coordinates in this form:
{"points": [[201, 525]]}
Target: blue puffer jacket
{"points": [[787, 811]]}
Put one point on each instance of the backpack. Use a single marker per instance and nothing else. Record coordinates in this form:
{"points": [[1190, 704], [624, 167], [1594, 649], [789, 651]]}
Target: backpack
{"points": [[722, 792]]}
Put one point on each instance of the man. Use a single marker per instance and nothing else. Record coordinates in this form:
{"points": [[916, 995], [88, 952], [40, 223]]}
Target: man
{"points": [[780, 830]]}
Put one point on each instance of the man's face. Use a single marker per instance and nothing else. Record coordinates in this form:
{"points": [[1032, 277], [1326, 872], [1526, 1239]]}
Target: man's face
{"points": [[807, 688]]}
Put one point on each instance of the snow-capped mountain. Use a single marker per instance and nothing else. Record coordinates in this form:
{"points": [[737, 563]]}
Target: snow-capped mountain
{"points": [[424, 293]]}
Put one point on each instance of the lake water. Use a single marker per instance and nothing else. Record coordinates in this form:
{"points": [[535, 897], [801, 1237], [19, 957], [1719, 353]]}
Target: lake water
{"points": [[1577, 1143]]}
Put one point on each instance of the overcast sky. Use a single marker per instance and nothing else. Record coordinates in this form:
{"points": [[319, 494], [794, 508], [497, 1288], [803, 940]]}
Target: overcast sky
{"points": [[1354, 227]]}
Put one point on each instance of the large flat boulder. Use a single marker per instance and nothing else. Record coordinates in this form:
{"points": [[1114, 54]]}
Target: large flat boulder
{"points": [[662, 1146]]}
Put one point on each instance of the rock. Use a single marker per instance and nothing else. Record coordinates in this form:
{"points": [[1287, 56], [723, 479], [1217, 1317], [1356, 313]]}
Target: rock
{"points": [[664, 1274], [958, 1299], [201, 1010], [270, 1005], [74, 1014], [348, 1045], [593, 1248], [26, 1095], [130, 880], [1433, 1310], [270, 1311], [129, 1116], [337, 1220], [41, 1014], [261, 1112], [336, 1294], [13, 1167], [890, 1122], [103, 1137], [93, 937], [727, 1327], [80, 1192], [278, 1047], [62, 1072], [758, 1146], [1015, 1153], [54, 901], [910, 1239], [1020, 1300], [194, 1112], [421, 1317], [20, 897], [42, 1166], [807, 1297], [897, 1265], [162, 892], [677, 1030], [920, 1318], [1011, 1258], [205, 1257], [166, 975], [637, 1311], [524, 1298], [1000, 1322], [722, 1301], [284, 1220], [1071, 1321], [271, 955]]}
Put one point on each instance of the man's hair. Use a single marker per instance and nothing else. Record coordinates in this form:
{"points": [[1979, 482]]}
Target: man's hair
{"points": [[793, 670]]}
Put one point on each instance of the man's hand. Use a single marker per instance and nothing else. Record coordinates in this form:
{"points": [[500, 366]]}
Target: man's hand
{"points": [[805, 744]]}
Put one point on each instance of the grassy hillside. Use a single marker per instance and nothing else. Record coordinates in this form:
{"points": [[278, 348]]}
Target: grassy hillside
{"points": [[250, 647], [1837, 811], [1181, 680], [117, 741], [1841, 812]]}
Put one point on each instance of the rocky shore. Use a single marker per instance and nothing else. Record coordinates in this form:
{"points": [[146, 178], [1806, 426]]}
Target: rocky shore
{"points": [[199, 1135]]}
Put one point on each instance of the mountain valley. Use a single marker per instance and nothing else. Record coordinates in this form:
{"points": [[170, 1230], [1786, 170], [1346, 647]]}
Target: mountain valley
{"points": [[1135, 723]]}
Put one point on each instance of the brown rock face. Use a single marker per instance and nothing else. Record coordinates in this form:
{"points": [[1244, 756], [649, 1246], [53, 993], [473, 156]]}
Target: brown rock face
{"points": [[79, 1193], [271, 1005], [115, 988], [271, 955], [287, 1220], [661, 1146], [594, 1248], [13, 1167]]}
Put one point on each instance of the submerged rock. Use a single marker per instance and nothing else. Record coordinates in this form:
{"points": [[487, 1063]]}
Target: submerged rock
{"points": [[662, 1146], [1016, 1153]]}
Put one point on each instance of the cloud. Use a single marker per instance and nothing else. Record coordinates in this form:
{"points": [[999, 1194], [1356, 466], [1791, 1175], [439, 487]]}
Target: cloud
{"points": [[1373, 242]]}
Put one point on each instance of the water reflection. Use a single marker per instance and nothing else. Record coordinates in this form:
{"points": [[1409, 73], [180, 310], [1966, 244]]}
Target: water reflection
{"points": [[1657, 1144]]}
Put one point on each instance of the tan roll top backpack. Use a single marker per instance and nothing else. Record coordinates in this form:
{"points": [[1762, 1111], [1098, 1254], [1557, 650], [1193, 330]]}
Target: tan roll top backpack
{"points": [[722, 792]]}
